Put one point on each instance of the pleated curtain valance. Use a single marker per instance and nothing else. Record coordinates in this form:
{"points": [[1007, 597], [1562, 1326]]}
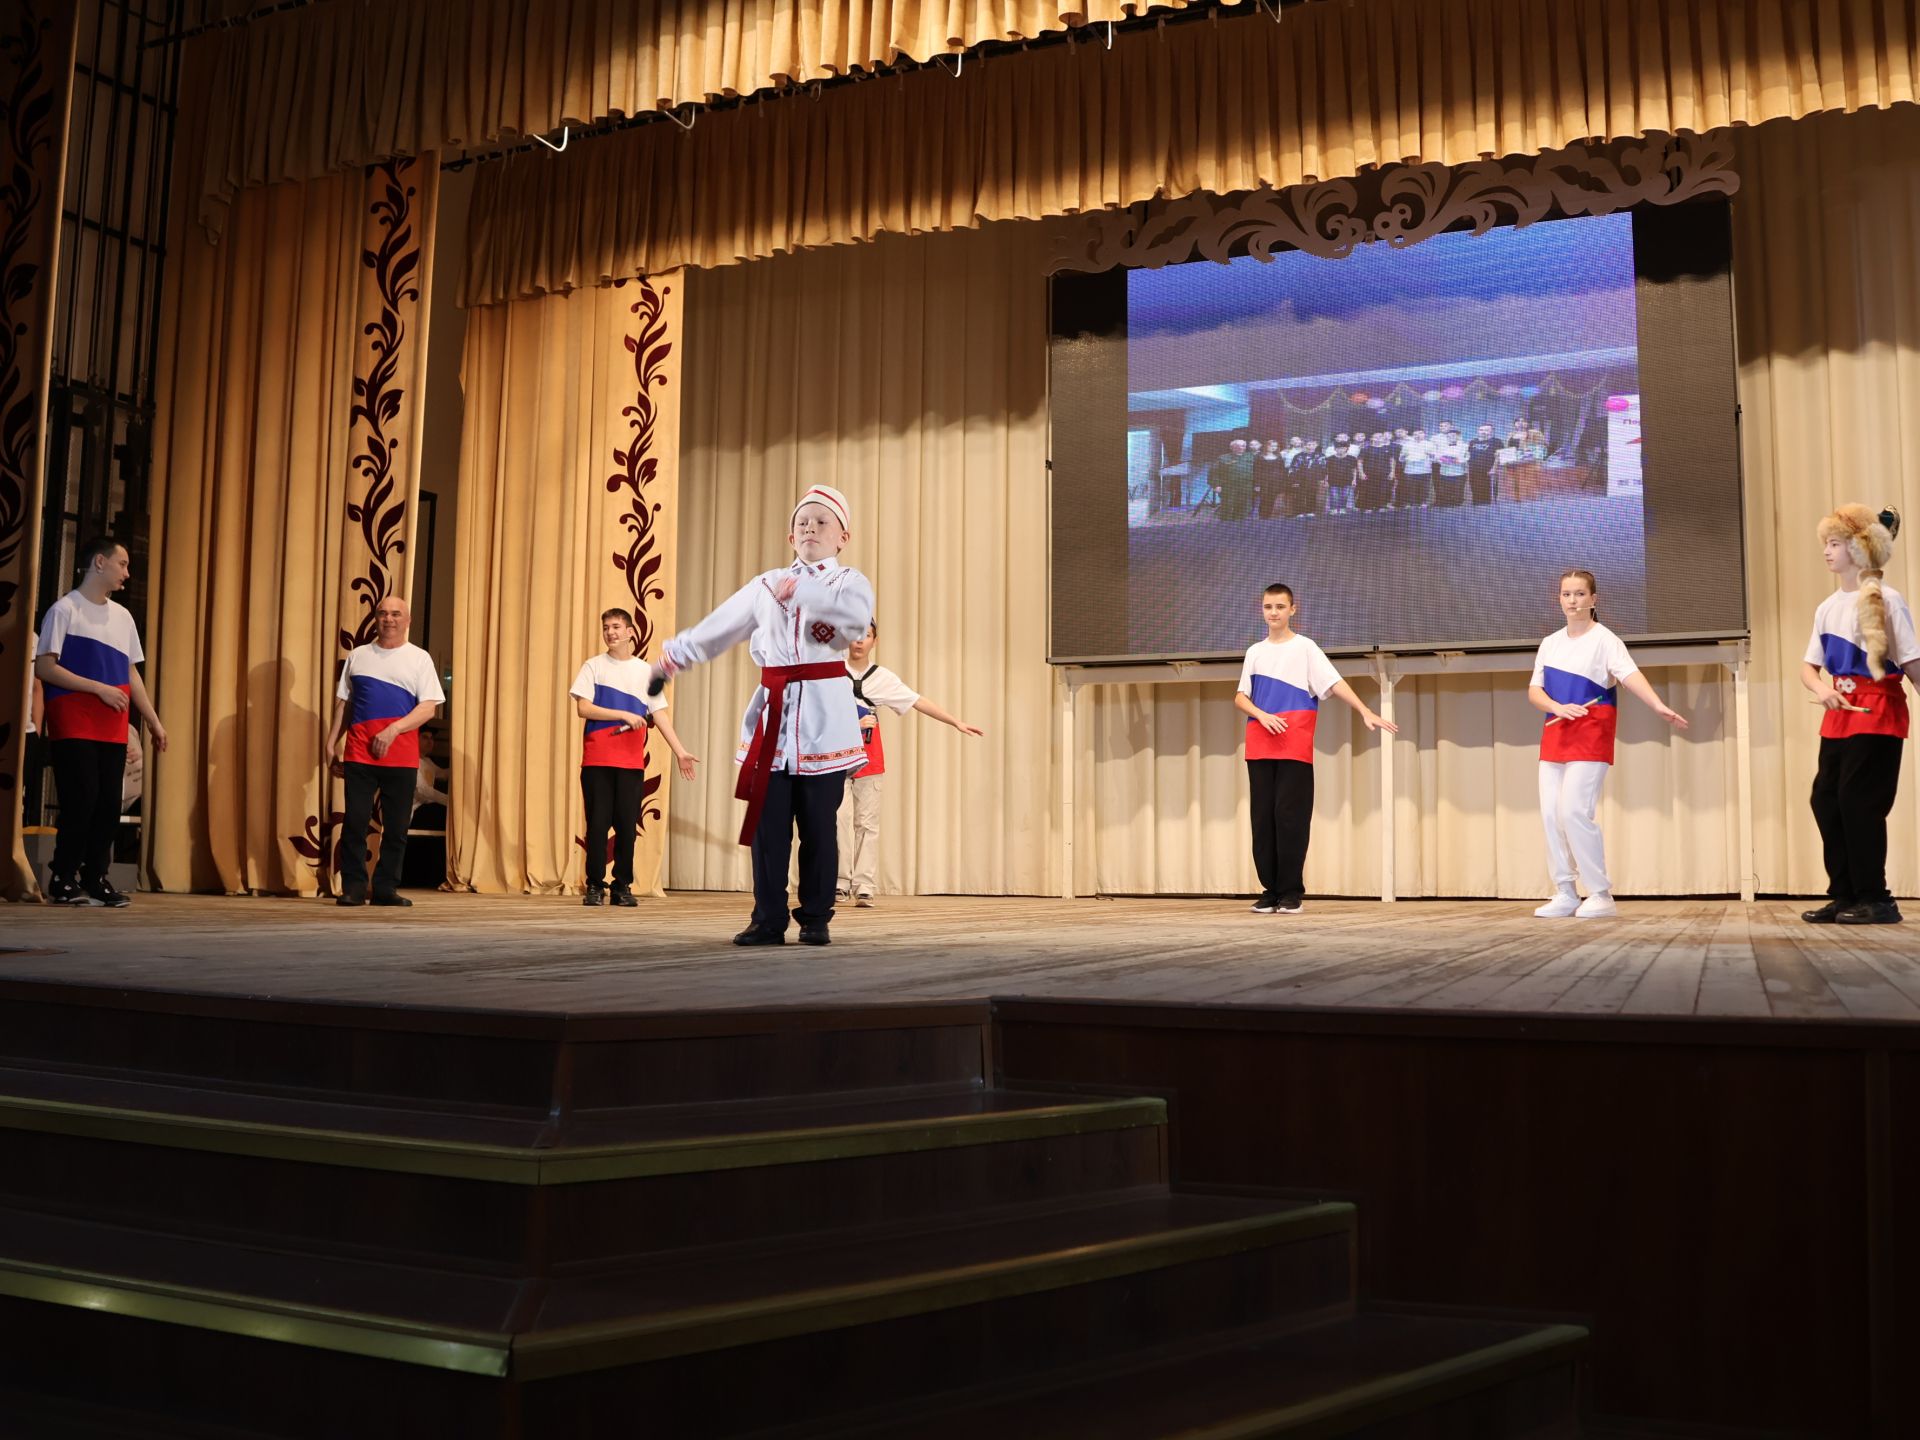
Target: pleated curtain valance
{"points": [[1230, 106], [340, 83]]}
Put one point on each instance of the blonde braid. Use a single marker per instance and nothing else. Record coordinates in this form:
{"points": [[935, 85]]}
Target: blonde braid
{"points": [[1873, 622]]}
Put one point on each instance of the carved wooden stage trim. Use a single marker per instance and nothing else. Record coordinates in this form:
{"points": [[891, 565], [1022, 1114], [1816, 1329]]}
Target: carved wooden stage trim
{"points": [[1701, 958]]}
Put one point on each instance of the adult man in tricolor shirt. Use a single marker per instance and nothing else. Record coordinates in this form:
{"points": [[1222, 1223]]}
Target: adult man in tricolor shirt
{"points": [[85, 661], [388, 690]]}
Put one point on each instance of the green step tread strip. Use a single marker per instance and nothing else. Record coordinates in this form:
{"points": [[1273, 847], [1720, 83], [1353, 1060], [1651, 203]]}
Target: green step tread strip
{"points": [[655, 1337], [1393, 1395], [572, 1165]]}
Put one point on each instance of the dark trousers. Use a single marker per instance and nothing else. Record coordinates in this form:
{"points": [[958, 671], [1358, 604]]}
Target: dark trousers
{"points": [[1852, 795], [393, 784], [87, 776], [811, 805], [613, 800], [1282, 804], [1481, 483]]}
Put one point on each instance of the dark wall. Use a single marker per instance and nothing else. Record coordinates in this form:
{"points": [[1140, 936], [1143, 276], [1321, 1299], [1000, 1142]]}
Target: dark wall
{"points": [[1726, 1203]]}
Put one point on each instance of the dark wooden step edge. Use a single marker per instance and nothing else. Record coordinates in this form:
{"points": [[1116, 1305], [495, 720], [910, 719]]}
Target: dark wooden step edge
{"points": [[572, 1165], [679, 1332], [318, 1327], [544, 1355], [1389, 1396]]}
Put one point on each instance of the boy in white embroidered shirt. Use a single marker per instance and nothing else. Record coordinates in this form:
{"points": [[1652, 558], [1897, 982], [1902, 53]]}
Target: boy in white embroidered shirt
{"points": [[873, 687], [800, 737]]}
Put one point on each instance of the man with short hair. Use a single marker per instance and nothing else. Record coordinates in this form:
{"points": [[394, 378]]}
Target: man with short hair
{"points": [[86, 659], [388, 690]]}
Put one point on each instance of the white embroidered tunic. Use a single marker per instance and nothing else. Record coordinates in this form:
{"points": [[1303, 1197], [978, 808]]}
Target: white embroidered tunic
{"points": [[830, 609]]}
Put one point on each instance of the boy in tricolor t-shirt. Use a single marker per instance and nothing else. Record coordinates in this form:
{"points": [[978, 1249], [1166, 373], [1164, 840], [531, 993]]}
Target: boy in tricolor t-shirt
{"points": [[1576, 676], [1281, 686], [610, 695], [87, 659], [874, 687]]}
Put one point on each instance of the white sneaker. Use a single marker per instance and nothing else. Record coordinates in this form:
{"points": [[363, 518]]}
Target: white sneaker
{"points": [[1563, 904], [864, 900], [1597, 907]]}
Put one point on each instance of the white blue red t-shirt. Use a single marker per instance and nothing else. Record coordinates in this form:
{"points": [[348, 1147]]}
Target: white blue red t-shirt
{"points": [[1838, 648], [96, 642], [615, 685], [381, 686], [873, 687], [1286, 678], [1583, 671]]}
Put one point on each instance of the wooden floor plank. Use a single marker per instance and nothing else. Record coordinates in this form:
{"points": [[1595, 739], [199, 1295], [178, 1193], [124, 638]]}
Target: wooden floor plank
{"points": [[550, 955]]}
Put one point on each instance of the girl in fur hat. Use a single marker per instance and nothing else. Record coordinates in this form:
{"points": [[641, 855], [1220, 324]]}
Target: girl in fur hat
{"points": [[1863, 638]]}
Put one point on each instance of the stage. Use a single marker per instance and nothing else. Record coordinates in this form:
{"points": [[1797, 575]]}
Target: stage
{"points": [[1700, 958]]}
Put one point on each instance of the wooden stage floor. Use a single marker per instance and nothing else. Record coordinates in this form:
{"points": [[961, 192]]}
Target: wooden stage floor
{"points": [[549, 955]]}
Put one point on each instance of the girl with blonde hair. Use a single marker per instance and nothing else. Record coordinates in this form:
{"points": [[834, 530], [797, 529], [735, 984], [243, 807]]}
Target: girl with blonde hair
{"points": [[1863, 638]]}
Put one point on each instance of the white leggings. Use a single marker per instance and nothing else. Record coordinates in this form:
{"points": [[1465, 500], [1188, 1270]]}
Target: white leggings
{"points": [[1569, 795]]}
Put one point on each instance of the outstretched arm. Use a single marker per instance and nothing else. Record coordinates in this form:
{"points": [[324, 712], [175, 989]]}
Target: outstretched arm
{"points": [[683, 757], [1367, 717], [934, 712], [1642, 688], [725, 628]]}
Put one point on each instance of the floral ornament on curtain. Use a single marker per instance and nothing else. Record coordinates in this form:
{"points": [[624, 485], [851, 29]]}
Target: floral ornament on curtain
{"points": [[639, 564], [380, 514]]}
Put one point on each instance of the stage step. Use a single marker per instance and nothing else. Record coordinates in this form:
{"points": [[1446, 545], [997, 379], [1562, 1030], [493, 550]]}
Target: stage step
{"points": [[487, 1062], [733, 1337], [1381, 1375], [536, 1195]]}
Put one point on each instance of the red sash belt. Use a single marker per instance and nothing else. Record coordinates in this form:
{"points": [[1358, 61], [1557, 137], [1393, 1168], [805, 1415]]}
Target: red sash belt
{"points": [[758, 770]]}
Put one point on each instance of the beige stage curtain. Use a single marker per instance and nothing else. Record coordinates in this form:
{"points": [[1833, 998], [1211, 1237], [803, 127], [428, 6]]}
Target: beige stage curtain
{"points": [[335, 85], [912, 375], [568, 480], [1829, 315], [293, 356], [1225, 107], [930, 404], [36, 79]]}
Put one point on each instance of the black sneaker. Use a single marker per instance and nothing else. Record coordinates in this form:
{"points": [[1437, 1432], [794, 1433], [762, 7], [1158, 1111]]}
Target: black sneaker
{"points": [[1871, 912], [595, 895], [352, 897], [623, 897], [101, 891], [755, 935], [815, 935], [1265, 905], [400, 900], [1827, 914], [63, 891]]}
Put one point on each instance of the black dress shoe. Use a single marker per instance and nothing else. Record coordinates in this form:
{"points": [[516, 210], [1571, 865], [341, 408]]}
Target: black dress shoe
{"points": [[1871, 912], [351, 897], [1827, 914], [595, 895], [754, 935], [391, 900], [815, 935], [622, 896]]}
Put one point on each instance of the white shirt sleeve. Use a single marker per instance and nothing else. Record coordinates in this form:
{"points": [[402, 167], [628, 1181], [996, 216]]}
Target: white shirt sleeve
{"points": [[135, 655], [1816, 652], [1540, 665], [427, 681], [1246, 675], [53, 632], [732, 622], [583, 683], [1321, 676], [1619, 663], [344, 690], [883, 687], [1902, 644]]}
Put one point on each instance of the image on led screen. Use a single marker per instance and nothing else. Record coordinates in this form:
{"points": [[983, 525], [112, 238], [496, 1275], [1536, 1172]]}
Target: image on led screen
{"points": [[1391, 432]]}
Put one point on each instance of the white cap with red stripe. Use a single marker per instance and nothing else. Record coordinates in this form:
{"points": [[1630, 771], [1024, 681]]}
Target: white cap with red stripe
{"points": [[825, 495]]}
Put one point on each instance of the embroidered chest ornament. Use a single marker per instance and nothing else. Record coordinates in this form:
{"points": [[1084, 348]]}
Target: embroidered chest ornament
{"points": [[822, 632]]}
